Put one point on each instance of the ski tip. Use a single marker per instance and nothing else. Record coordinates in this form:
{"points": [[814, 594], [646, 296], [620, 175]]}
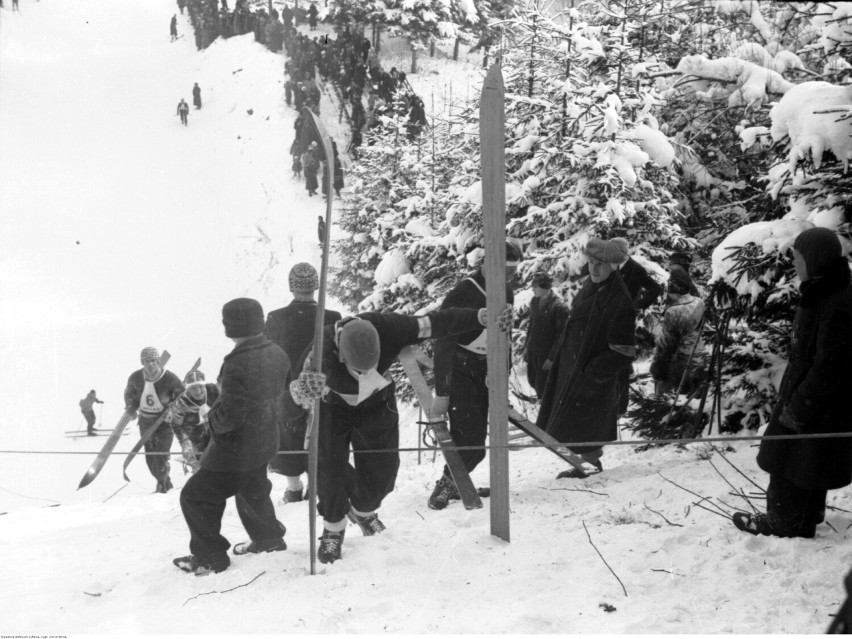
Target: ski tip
{"points": [[494, 77]]}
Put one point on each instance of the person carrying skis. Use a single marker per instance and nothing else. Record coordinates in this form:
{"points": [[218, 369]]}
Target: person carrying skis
{"points": [[173, 28], [460, 374], [187, 416], [548, 316], [580, 401], [292, 328], [183, 111], [359, 410], [86, 407], [196, 96], [244, 423], [149, 390]]}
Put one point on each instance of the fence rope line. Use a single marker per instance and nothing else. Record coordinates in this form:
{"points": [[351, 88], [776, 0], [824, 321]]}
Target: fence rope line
{"points": [[636, 442]]}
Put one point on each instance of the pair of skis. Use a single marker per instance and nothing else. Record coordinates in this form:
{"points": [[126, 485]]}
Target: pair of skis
{"points": [[101, 459]]}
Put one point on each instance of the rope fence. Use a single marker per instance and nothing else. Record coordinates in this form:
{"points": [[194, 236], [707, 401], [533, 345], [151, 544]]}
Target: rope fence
{"points": [[636, 442]]}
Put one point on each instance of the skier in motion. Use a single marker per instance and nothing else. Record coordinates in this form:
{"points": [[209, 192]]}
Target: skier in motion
{"points": [[88, 412], [183, 111]]}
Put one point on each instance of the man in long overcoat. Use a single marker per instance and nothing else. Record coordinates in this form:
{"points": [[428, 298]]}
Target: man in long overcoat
{"points": [[813, 397], [580, 401], [548, 315]]}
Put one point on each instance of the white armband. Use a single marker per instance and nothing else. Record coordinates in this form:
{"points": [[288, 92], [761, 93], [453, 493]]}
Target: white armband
{"points": [[424, 325]]}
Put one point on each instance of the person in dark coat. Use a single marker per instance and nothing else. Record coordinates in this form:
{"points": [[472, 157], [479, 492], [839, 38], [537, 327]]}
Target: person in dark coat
{"points": [[813, 397], [292, 328], [580, 401], [244, 423], [173, 28], [148, 392], [680, 261], [359, 411], [548, 316], [460, 372], [196, 96], [312, 16], [338, 170], [310, 165], [321, 230], [86, 407]]}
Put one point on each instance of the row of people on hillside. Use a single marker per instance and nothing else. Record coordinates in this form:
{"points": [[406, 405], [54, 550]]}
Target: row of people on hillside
{"points": [[264, 396]]}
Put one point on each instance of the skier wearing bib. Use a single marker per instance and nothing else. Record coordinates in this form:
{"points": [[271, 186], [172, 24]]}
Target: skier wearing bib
{"points": [[149, 390], [460, 371]]}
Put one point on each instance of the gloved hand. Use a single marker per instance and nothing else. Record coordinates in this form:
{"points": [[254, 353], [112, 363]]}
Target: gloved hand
{"points": [[788, 420], [440, 406], [505, 320], [308, 387], [132, 413]]}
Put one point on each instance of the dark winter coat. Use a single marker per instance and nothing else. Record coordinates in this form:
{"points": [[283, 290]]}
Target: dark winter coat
{"points": [[245, 419], [466, 294], [196, 96], [816, 388], [292, 328], [580, 401], [644, 290], [548, 317], [396, 331], [167, 387]]}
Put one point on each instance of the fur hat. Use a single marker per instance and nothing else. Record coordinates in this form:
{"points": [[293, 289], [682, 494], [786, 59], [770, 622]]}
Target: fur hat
{"points": [[149, 352], [303, 278], [358, 344], [679, 257], [819, 247], [679, 281], [242, 317], [542, 279], [613, 251]]}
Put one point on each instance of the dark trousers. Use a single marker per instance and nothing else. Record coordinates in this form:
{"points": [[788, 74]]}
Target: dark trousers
{"points": [[793, 511], [469, 407], [203, 500], [90, 419], [159, 442], [291, 438], [364, 483]]}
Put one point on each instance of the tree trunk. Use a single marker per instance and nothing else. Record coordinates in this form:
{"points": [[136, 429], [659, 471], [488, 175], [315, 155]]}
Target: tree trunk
{"points": [[413, 57], [431, 48], [456, 49], [378, 46]]}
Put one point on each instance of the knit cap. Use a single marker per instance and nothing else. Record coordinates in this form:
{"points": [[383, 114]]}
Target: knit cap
{"points": [[303, 278], [819, 247], [613, 251], [242, 317], [358, 344], [193, 376], [149, 352]]}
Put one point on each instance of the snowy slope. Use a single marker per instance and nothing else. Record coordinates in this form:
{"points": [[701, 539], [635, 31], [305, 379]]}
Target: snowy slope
{"points": [[171, 223]]}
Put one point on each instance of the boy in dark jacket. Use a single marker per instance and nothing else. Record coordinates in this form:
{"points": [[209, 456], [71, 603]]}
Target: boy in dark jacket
{"points": [[244, 425], [548, 315], [813, 397]]}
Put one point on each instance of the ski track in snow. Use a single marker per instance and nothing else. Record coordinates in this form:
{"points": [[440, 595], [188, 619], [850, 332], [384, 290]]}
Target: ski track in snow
{"points": [[171, 223]]}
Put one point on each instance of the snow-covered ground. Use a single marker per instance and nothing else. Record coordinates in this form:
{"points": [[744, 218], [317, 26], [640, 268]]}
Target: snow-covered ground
{"points": [[121, 229]]}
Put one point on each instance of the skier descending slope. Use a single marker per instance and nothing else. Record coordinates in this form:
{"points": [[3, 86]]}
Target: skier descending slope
{"points": [[148, 391], [359, 410]]}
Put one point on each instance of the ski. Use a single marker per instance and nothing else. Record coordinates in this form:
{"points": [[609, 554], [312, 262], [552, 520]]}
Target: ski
{"points": [[151, 429], [464, 484], [521, 422], [311, 435], [84, 435], [492, 144], [112, 440]]}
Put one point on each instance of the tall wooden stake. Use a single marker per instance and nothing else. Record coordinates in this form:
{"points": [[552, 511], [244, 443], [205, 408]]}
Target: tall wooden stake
{"points": [[492, 145], [312, 436]]}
